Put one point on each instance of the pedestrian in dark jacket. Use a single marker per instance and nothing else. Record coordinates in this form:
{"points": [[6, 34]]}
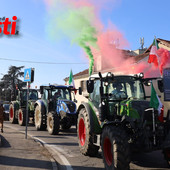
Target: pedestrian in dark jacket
{"points": [[1, 116]]}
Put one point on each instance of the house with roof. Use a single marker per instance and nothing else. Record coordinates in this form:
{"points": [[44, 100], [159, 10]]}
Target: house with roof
{"points": [[137, 56]]}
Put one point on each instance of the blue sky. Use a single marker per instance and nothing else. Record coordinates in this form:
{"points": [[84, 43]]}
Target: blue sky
{"points": [[134, 18]]}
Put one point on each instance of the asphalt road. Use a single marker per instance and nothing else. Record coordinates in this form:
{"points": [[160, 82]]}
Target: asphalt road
{"points": [[64, 149]]}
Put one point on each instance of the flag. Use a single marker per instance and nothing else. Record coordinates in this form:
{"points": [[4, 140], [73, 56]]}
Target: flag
{"points": [[153, 57], [155, 101], [71, 81]]}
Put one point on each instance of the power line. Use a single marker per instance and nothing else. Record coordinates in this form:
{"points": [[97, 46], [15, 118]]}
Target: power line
{"points": [[38, 62]]}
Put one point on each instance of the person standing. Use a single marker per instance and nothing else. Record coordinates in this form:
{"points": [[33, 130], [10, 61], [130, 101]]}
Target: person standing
{"points": [[1, 116]]}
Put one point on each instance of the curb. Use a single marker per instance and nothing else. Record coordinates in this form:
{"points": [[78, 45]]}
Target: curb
{"points": [[53, 161]]}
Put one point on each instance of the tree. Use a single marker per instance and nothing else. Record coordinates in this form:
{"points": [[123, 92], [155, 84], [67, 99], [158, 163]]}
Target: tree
{"points": [[9, 81]]}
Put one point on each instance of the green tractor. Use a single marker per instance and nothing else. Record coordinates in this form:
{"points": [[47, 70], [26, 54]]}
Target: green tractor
{"points": [[17, 108], [118, 119]]}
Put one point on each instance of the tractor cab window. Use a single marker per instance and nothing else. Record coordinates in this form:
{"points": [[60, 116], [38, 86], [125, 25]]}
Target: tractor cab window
{"points": [[45, 94], [117, 90], [33, 95], [61, 94], [23, 95], [135, 89], [95, 96], [124, 88]]}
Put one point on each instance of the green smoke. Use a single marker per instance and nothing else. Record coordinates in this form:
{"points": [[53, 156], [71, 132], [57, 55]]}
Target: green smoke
{"points": [[77, 25]]}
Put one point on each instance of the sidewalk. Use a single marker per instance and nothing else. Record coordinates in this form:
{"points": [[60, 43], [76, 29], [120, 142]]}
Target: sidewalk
{"points": [[18, 153]]}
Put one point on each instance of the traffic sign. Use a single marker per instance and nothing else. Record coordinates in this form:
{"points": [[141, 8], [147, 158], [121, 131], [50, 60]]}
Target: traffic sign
{"points": [[27, 75]]}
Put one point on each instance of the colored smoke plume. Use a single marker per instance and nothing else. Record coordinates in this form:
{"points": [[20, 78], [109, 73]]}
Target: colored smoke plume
{"points": [[164, 58], [75, 21], [109, 43], [79, 21], [148, 69]]}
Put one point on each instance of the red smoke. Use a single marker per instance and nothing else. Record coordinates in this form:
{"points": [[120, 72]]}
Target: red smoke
{"points": [[108, 43], [164, 58]]}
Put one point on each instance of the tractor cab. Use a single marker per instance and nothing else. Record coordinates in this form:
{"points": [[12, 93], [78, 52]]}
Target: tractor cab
{"points": [[117, 95]]}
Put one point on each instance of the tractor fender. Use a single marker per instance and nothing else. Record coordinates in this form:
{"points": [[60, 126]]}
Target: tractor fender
{"points": [[95, 127], [41, 104]]}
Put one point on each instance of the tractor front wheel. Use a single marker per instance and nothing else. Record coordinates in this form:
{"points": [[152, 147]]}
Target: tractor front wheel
{"points": [[22, 117], [40, 119], [53, 123], [115, 148], [12, 117], [85, 139]]}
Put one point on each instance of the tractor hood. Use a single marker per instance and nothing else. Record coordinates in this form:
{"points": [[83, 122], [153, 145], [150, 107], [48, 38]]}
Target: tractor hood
{"points": [[66, 106], [133, 108]]}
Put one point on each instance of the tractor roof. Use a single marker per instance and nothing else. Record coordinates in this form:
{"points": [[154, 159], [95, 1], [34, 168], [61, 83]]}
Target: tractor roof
{"points": [[57, 86], [109, 74]]}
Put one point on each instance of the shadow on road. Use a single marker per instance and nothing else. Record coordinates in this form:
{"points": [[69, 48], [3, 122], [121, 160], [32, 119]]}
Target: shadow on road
{"points": [[79, 168], [20, 162], [5, 143], [150, 160]]}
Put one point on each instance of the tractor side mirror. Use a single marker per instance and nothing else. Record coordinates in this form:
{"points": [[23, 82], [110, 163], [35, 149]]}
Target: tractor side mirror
{"points": [[161, 86], [90, 86], [80, 91], [41, 89]]}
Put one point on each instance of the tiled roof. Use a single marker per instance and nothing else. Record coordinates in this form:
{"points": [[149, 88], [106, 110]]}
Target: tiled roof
{"points": [[161, 41]]}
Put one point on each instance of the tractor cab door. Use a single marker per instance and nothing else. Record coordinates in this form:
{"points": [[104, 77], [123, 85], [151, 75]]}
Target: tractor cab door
{"points": [[95, 95]]}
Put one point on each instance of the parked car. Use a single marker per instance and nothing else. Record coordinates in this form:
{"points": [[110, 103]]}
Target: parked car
{"points": [[6, 107]]}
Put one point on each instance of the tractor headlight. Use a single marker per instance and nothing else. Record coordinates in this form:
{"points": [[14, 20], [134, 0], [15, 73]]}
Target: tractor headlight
{"points": [[141, 75]]}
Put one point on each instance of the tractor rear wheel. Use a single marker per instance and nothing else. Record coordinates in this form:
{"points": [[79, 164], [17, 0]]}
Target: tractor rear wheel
{"points": [[12, 113], [40, 119], [22, 117], [53, 123], [115, 148], [85, 139]]}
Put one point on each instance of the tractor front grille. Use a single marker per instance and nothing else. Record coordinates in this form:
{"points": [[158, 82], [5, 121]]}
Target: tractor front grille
{"points": [[71, 106], [140, 106]]}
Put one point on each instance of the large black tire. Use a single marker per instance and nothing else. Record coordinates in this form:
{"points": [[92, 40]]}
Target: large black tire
{"points": [[40, 119], [12, 114], [53, 123], [115, 148], [22, 117], [85, 139]]}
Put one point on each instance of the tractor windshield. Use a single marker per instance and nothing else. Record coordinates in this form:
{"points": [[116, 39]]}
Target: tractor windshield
{"points": [[61, 94], [33, 95], [125, 87]]}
